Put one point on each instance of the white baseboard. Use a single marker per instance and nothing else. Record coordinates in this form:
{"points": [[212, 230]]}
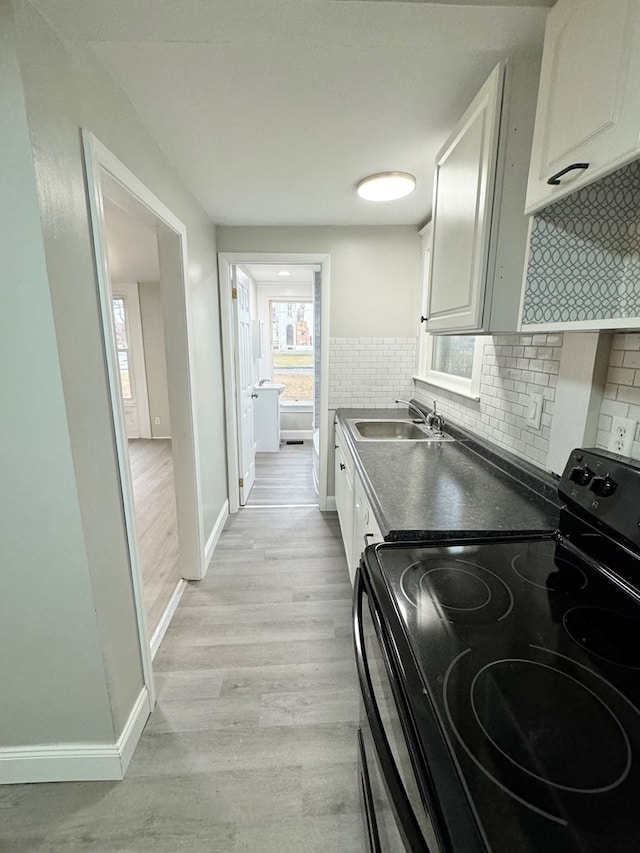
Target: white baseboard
{"points": [[293, 434], [167, 616], [76, 762], [331, 504], [128, 740], [212, 541]]}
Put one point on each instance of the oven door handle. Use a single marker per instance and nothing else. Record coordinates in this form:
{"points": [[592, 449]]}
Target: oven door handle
{"points": [[408, 824]]}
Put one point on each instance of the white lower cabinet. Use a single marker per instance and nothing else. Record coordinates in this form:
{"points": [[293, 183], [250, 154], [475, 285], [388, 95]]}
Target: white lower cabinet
{"points": [[345, 501], [357, 521], [365, 528]]}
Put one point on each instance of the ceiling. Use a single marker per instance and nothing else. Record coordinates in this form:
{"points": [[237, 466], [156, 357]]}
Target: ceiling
{"points": [[268, 273], [272, 110]]}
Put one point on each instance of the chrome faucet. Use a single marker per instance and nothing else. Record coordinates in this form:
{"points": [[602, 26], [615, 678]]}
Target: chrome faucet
{"points": [[264, 381], [434, 420], [418, 411]]}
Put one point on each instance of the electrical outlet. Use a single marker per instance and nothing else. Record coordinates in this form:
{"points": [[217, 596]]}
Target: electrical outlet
{"points": [[156, 421], [623, 432], [533, 416]]}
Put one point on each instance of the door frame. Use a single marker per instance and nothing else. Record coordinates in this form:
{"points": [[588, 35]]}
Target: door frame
{"points": [[225, 261], [98, 160]]}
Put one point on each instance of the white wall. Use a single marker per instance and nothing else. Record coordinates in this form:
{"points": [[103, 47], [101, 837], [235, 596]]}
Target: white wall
{"points": [[65, 89], [155, 358]]}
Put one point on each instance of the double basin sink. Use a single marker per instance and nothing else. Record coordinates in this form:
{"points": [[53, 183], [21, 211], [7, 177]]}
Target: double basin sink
{"points": [[394, 430]]}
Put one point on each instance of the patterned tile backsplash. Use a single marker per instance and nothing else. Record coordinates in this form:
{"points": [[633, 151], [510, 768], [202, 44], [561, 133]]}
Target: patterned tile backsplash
{"points": [[622, 390], [513, 367], [584, 258], [370, 372]]}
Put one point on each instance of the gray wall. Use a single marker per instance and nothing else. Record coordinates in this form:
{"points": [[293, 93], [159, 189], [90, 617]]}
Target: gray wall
{"points": [[65, 89], [51, 668], [375, 272]]}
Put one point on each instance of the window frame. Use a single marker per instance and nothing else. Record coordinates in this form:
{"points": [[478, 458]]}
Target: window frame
{"points": [[466, 387], [122, 297]]}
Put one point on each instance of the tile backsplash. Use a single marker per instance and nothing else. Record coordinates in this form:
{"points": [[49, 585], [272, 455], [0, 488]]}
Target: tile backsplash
{"points": [[373, 372], [513, 367], [622, 389], [370, 372]]}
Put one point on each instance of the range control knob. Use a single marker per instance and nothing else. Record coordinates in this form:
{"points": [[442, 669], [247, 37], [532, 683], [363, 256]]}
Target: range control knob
{"points": [[581, 475], [603, 486]]}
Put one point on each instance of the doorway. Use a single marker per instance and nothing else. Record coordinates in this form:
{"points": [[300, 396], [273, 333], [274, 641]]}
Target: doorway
{"points": [[141, 267], [138, 319], [284, 332]]}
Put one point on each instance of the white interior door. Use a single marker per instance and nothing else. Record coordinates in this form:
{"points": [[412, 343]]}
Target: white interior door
{"points": [[244, 381]]}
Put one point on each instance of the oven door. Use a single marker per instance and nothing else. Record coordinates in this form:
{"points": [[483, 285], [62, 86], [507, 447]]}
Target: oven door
{"points": [[397, 819]]}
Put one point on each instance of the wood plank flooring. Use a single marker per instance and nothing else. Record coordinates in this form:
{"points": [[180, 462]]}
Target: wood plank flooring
{"points": [[156, 523], [285, 477], [252, 746]]}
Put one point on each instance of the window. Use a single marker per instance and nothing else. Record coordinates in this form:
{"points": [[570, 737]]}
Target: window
{"points": [[122, 345], [453, 362], [292, 349]]}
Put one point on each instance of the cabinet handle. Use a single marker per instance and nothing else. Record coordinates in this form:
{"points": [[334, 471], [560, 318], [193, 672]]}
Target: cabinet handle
{"points": [[554, 180], [342, 466], [424, 319], [368, 536], [336, 446], [254, 394]]}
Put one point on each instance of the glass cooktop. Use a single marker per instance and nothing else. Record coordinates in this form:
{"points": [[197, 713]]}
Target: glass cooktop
{"points": [[531, 660]]}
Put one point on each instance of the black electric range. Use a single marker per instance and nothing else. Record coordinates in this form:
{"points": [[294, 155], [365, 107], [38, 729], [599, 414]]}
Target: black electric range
{"points": [[516, 668]]}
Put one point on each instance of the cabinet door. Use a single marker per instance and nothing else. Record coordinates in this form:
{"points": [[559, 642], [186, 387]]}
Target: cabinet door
{"points": [[365, 528], [462, 214], [344, 503], [588, 107]]}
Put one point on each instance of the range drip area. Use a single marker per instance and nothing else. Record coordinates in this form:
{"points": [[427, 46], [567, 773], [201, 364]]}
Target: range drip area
{"points": [[529, 652]]}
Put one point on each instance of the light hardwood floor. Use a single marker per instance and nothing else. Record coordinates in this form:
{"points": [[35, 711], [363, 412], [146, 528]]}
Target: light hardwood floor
{"points": [[156, 523], [252, 746]]}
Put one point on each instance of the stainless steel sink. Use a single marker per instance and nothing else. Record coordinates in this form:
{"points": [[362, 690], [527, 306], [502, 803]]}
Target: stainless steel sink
{"points": [[394, 430]]}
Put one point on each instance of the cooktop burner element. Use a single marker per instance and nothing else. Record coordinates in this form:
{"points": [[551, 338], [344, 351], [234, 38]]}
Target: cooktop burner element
{"points": [[607, 635], [551, 733], [459, 590], [455, 589], [550, 572], [520, 706]]}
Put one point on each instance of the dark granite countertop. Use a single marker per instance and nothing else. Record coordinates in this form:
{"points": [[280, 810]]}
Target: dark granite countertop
{"points": [[449, 489]]}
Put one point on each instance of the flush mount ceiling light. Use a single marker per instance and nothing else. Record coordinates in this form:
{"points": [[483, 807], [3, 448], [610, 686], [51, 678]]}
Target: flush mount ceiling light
{"points": [[386, 186], [284, 272]]}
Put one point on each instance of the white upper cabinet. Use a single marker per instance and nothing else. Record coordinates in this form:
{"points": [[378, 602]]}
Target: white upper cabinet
{"points": [[479, 227], [588, 115]]}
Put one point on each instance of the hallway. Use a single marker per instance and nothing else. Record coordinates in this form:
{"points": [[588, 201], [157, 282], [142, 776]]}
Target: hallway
{"points": [[284, 478], [252, 746]]}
